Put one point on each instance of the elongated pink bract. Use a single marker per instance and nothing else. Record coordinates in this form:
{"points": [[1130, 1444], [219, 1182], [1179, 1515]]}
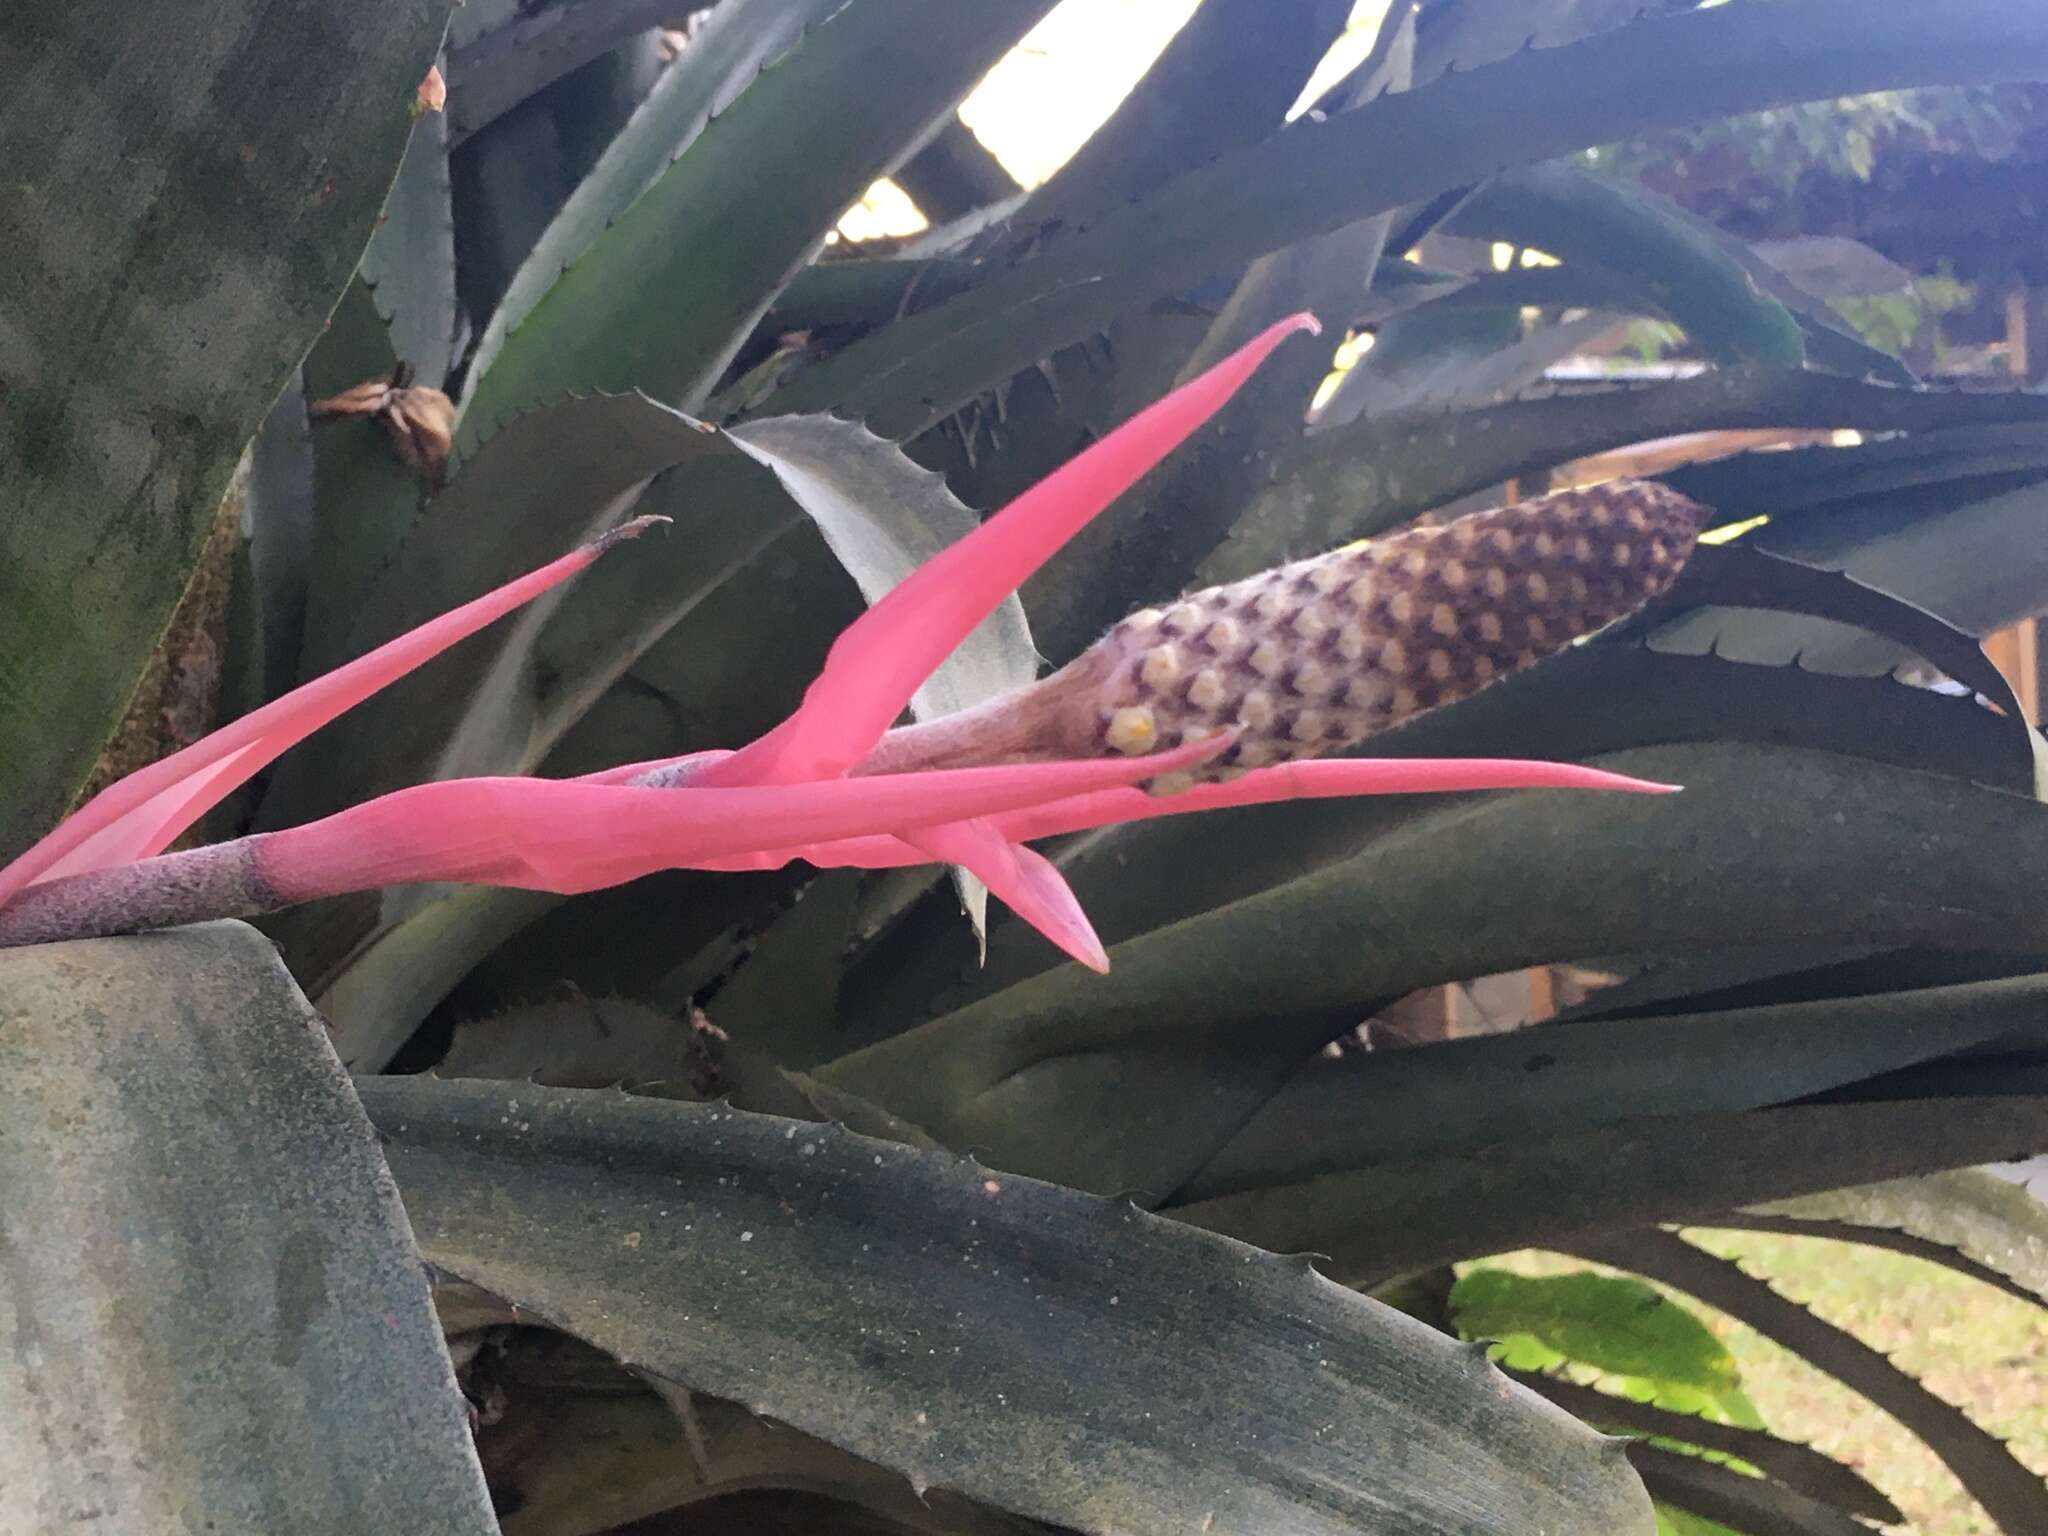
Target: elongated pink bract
{"points": [[145, 812], [1311, 779], [885, 655], [570, 836], [1022, 878]]}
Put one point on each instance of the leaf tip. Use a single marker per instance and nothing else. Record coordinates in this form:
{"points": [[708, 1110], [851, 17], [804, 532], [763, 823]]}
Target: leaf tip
{"points": [[626, 530]]}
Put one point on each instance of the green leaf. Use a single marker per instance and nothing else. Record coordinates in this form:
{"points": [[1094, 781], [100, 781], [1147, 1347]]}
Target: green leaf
{"points": [[410, 263], [219, 1318], [1225, 80], [364, 500], [1453, 357], [1989, 1224], [1135, 879], [1356, 481], [1825, 483], [883, 516], [1411, 1213], [1472, 33], [267, 597], [1797, 1466], [582, 1445], [737, 43], [1974, 562], [501, 60], [1557, 1078], [920, 1312], [667, 295], [1765, 845], [1743, 576], [1610, 1322], [156, 313], [1720, 1493], [2011, 1494], [1685, 268], [1402, 149]]}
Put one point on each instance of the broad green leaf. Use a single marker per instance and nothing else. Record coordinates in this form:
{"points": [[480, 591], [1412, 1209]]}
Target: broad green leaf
{"points": [[1533, 106], [738, 42], [364, 500], [1975, 563], [1610, 1322], [1533, 1192], [188, 189], [882, 517], [610, 1042], [267, 596], [1774, 974], [1744, 575], [1834, 266], [669, 293], [1984, 1219], [1139, 878], [2011, 1494], [1829, 482], [1583, 219], [953, 174], [1466, 1094], [1453, 358], [1476, 32], [1765, 845], [1354, 482], [500, 60], [218, 1316], [926, 1314], [1225, 80], [410, 263]]}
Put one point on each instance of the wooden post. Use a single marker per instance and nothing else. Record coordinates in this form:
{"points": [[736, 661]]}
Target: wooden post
{"points": [[2016, 652], [2026, 335]]}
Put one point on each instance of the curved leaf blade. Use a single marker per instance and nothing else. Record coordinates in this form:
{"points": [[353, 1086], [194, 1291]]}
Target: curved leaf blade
{"points": [[1990, 1222], [155, 314], [218, 1313], [1402, 149], [932, 1317], [667, 296]]}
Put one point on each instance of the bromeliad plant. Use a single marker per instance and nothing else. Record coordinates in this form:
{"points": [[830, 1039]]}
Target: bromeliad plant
{"points": [[1306, 659], [904, 1223]]}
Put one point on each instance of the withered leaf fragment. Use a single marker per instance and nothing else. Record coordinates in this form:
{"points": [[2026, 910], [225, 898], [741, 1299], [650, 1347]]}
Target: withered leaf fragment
{"points": [[420, 421], [433, 92]]}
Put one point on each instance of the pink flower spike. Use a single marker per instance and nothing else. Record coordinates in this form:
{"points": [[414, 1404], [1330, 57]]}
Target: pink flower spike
{"points": [[568, 836], [1022, 878], [143, 813], [884, 657]]}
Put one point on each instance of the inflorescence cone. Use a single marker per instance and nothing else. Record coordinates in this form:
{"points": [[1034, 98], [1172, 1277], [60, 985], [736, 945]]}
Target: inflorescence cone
{"points": [[1312, 657]]}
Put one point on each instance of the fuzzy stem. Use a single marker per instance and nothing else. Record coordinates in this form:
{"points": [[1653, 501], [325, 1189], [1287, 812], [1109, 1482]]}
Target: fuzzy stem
{"points": [[196, 886]]}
